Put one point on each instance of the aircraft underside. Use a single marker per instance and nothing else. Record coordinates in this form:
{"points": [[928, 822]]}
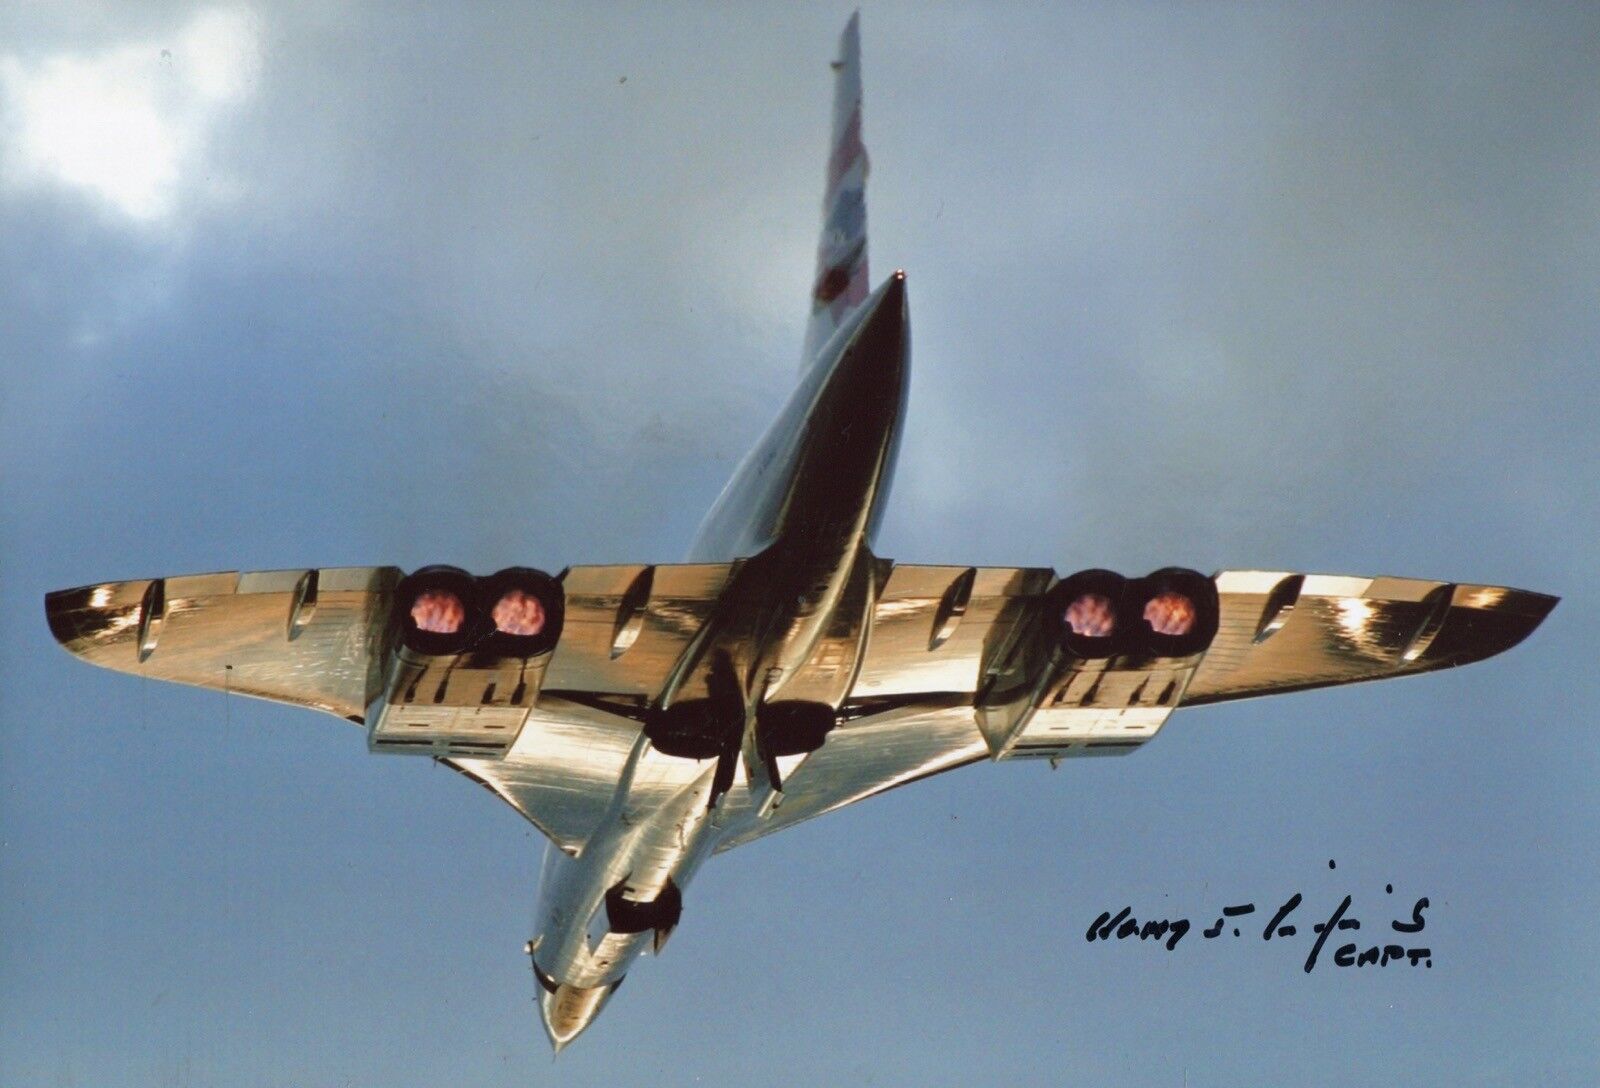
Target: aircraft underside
{"points": [[646, 716]]}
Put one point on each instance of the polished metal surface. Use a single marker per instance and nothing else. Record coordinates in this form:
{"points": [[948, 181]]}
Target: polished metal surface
{"points": [[249, 633], [645, 740], [817, 480], [920, 645], [567, 1009], [1339, 630], [618, 642], [929, 693]]}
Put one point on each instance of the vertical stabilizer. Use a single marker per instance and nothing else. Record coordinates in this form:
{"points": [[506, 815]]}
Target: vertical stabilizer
{"points": [[841, 279]]}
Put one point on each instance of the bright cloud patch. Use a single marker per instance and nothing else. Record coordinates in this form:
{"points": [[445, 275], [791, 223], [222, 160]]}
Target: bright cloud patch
{"points": [[128, 124]]}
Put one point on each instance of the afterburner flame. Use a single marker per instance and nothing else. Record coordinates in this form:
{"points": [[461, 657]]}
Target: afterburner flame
{"points": [[1170, 614], [518, 613], [1092, 616], [438, 611]]}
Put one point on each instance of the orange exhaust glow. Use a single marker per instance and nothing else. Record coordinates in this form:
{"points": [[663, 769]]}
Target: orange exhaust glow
{"points": [[438, 612], [518, 613], [1091, 616], [1170, 614]]}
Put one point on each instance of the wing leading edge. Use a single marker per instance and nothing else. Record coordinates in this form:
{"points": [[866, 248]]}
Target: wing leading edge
{"points": [[1283, 632], [311, 638], [326, 640], [938, 686], [923, 705]]}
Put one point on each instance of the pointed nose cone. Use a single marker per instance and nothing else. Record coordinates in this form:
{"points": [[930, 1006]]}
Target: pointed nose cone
{"points": [[567, 1010]]}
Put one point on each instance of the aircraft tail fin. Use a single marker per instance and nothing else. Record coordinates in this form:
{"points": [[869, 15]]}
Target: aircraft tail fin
{"points": [[841, 278]]}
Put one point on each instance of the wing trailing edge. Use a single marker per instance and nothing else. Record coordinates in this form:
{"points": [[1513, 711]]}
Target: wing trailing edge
{"points": [[312, 638], [1283, 632], [947, 678]]}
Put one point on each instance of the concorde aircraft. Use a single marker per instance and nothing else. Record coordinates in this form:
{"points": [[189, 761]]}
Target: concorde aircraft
{"points": [[645, 717]]}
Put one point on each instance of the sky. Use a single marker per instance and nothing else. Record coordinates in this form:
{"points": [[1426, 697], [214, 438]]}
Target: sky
{"points": [[1219, 286]]}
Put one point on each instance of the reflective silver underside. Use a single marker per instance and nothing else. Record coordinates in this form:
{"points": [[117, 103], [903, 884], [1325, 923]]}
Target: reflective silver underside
{"points": [[910, 713], [909, 670]]}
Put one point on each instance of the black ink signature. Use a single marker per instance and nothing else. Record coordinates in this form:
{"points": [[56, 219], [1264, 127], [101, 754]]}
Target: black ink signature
{"points": [[1124, 925]]}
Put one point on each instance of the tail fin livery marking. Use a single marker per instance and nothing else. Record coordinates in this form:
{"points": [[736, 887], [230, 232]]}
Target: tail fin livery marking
{"points": [[840, 284]]}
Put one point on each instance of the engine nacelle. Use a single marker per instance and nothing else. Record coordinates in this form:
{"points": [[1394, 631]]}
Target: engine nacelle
{"points": [[437, 612], [468, 661], [1097, 614], [1175, 612], [1087, 613], [1106, 665], [525, 610]]}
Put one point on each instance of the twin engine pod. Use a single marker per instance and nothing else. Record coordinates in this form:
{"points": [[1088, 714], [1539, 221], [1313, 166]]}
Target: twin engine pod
{"points": [[444, 611], [468, 661], [1109, 663], [1097, 614]]}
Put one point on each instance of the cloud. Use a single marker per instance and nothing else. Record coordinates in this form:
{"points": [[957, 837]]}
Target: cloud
{"points": [[129, 124]]}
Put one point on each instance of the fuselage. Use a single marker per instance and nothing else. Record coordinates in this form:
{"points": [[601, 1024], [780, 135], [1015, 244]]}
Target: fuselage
{"points": [[798, 519]]}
